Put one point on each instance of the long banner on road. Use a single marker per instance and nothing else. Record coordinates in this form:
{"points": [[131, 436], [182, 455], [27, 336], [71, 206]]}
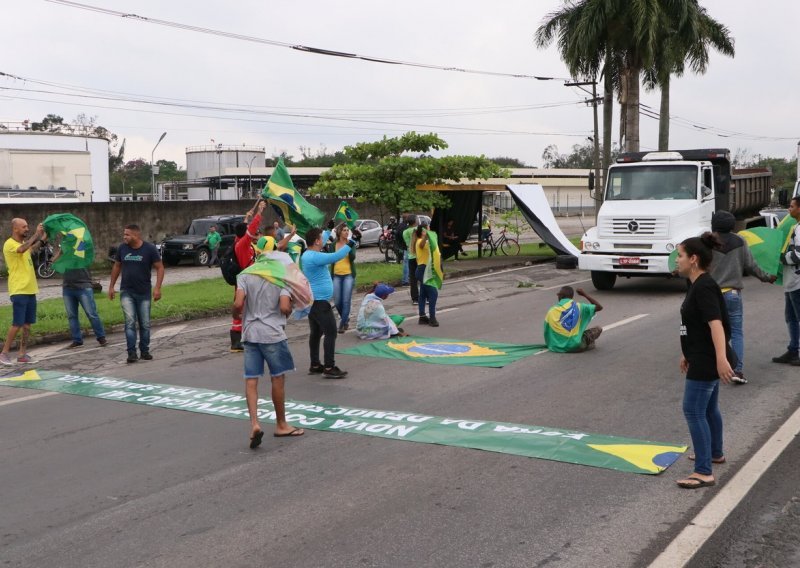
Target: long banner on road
{"points": [[623, 454]]}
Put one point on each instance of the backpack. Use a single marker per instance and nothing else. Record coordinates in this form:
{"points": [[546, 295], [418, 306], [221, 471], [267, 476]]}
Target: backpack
{"points": [[229, 266]]}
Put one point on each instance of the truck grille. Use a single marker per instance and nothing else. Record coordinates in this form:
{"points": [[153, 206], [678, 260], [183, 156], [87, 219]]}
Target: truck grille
{"points": [[634, 227]]}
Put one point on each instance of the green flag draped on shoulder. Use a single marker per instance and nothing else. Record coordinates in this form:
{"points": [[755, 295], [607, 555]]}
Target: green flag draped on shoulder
{"points": [[767, 245], [77, 247], [279, 269], [288, 203], [346, 214], [433, 270]]}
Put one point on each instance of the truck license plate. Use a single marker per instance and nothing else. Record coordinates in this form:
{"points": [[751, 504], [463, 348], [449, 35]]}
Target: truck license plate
{"points": [[624, 260]]}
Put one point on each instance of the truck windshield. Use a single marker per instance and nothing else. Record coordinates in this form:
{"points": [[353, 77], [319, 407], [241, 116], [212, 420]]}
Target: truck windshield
{"points": [[652, 182]]}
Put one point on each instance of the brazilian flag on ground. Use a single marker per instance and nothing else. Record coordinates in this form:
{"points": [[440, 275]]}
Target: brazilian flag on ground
{"points": [[346, 214], [288, 203], [77, 246], [433, 270], [445, 351]]}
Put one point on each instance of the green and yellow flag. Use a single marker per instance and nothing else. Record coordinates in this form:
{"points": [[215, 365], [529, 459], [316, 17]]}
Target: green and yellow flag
{"points": [[77, 247], [278, 268], [767, 245], [288, 203], [434, 276], [346, 214]]}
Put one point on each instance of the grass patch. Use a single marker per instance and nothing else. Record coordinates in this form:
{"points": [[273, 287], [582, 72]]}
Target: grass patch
{"points": [[186, 300]]}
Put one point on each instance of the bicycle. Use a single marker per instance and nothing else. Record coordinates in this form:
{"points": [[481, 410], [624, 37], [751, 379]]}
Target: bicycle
{"points": [[44, 261], [505, 244]]}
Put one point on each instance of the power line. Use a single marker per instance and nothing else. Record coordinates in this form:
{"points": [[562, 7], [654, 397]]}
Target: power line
{"points": [[297, 47]]}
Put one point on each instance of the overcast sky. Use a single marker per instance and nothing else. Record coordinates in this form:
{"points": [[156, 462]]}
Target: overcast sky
{"points": [[754, 94]]}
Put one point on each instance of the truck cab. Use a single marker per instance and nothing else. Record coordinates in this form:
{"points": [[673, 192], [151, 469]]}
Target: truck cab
{"points": [[654, 200]]}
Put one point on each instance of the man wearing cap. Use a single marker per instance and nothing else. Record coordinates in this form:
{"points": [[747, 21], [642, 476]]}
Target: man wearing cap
{"points": [[373, 322], [732, 260]]}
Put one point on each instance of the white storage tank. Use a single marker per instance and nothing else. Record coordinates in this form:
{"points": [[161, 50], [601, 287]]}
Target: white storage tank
{"points": [[216, 158]]}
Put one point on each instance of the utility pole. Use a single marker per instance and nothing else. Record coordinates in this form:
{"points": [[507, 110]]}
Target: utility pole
{"points": [[594, 101]]}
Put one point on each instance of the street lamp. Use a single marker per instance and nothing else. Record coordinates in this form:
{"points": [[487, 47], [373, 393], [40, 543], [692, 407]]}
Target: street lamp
{"points": [[219, 170], [153, 168], [250, 176]]}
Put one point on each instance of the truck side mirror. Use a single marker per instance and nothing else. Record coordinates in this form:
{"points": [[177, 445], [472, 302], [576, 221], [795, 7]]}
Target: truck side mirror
{"points": [[705, 192], [591, 181]]}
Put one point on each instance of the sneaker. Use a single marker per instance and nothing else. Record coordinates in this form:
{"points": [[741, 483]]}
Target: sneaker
{"points": [[102, 341], [738, 378], [237, 348], [146, 356], [315, 369], [75, 344], [424, 320], [132, 358], [334, 373], [414, 302], [787, 358], [433, 323], [5, 359], [26, 359]]}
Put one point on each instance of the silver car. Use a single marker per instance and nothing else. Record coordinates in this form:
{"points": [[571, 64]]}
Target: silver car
{"points": [[370, 230]]}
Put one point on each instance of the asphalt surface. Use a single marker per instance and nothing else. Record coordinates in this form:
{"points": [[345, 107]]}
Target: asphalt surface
{"points": [[88, 482]]}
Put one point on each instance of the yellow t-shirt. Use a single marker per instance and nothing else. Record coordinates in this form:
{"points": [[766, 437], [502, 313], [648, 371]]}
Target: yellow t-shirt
{"points": [[423, 252], [342, 267], [21, 275]]}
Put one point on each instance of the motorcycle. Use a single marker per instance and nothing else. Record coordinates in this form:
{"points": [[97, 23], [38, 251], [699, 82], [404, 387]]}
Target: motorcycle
{"points": [[44, 261]]}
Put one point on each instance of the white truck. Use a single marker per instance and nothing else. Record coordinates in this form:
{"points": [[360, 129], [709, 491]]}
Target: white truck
{"points": [[655, 200]]}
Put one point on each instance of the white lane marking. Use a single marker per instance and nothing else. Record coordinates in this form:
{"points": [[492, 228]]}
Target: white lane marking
{"points": [[624, 321], [168, 331], [26, 398], [681, 550]]}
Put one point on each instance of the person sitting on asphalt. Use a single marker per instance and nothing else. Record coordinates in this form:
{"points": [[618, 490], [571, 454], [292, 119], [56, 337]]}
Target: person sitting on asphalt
{"points": [[565, 323], [373, 322]]}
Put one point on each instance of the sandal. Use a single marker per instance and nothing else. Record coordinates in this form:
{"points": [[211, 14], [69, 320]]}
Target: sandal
{"points": [[695, 483]]}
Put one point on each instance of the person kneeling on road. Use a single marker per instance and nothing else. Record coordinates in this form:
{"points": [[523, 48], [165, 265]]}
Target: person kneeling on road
{"points": [[373, 322], [565, 325]]}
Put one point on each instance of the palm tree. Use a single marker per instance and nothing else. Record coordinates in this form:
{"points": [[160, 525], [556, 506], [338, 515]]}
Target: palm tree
{"points": [[687, 43]]}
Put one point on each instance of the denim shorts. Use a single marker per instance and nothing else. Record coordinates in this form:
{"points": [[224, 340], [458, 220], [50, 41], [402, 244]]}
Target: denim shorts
{"points": [[277, 355], [23, 310]]}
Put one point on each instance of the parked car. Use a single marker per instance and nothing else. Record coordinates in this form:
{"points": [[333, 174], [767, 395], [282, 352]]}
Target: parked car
{"points": [[370, 230], [190, 245]]}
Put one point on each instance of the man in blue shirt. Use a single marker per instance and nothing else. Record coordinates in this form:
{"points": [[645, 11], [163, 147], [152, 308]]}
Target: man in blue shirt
{"points": [[322, 322], [135, 260]]}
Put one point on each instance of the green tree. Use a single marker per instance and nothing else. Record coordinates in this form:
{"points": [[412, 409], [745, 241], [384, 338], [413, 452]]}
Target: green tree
{"points": [[319, 158], [132, 178], [581, 157], [387, 173], [508, 162], [686, 37]]}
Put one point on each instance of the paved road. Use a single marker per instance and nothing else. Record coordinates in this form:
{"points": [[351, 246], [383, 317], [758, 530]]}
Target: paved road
{"points": [[87, 482]]}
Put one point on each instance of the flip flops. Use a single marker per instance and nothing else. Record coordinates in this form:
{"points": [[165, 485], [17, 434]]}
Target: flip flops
{"points": [[713, 460], [255, 441], [695, 483], [293, 434]]}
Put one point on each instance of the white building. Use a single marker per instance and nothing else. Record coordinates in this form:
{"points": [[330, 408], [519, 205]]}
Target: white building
{"points": [[46, 167]]}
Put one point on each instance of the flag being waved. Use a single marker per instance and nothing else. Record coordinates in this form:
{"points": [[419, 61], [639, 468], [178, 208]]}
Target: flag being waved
{"points": [[767, 245], [77, 247], [288, 203], [346, 214]]}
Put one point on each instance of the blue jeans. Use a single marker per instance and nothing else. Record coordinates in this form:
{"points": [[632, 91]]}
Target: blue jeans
{"points": [[404, 278], [136, 309], [84, 297], [701, 409], [792, 313], [733, 301], [343, 296], [426, 293]]}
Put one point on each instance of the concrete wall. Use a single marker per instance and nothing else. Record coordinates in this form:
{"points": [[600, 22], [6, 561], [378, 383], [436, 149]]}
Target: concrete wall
{"points": [[157, 219]]}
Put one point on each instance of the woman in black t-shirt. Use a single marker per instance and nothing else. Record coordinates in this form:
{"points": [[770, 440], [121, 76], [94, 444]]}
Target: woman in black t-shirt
{"points": [[705, 332]]}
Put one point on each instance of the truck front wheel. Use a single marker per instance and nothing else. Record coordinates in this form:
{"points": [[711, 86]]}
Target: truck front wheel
{"points": [[603, 280]]}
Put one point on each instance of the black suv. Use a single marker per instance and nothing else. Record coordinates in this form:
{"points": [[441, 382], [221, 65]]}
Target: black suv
{"points": [[190, 244]]}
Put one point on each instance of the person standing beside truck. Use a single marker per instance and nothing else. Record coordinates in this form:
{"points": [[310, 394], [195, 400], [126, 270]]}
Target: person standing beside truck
{"points": [[732, 260], [213, 239], [791, 286]]}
